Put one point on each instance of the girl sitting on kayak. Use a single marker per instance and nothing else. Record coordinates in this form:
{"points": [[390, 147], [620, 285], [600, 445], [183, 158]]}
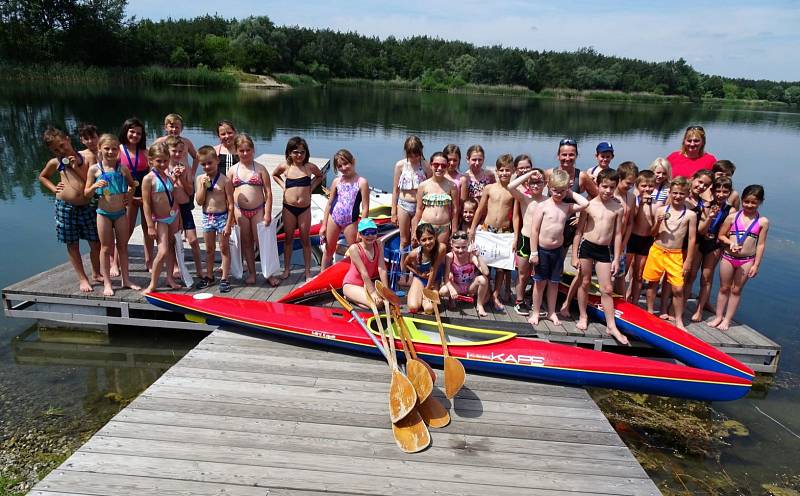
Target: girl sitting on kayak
{"points": [[349, 199], [744, 235], [366, 264], [426, 265], [465, 273]]}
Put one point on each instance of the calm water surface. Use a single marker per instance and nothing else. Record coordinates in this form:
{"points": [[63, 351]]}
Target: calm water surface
{"points": [[82, 377]]}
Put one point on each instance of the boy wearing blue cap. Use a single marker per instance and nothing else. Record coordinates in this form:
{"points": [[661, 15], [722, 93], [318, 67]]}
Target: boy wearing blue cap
{"points": [[604, 153], [366, 264]]}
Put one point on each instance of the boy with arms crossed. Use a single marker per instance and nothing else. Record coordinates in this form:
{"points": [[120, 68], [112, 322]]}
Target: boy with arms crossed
{"points": [[674, 223], [215, 197], [76, 216], [547, 241], [598, 244]]}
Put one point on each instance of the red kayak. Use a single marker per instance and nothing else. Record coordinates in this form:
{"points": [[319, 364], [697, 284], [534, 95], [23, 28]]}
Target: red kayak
{"points": [[631, 320], [493, 352]]}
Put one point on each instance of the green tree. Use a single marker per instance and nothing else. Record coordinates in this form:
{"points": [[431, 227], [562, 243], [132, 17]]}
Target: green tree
{"points": [[714, 86], [731, 91], [792, 95], [179, 58]]}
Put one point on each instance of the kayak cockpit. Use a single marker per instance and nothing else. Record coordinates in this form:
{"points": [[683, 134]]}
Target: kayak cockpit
{"points": [[426, 331]]}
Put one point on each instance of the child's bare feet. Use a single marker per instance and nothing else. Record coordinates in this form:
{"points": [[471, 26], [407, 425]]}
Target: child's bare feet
{"points": [[251, 279], [481, 310], [148, 289], [534, 318], [679, 324], [128, 284], [176, 274], [172, 284], [715, 322], [85, 286], [618, 336], [98, 279], [309, 276], [114, 271], [554, 318], [697, 316], [724, 325], [285, 273], [666, 316], [582, 324], [565, 311], [108, 290], [273, 281]]}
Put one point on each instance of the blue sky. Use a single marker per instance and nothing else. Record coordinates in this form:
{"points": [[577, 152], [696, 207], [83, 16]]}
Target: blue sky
{"points": [[759, 40]]}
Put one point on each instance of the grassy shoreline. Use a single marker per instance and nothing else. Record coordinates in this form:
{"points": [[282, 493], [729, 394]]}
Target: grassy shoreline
{"points": [[229, 78]]}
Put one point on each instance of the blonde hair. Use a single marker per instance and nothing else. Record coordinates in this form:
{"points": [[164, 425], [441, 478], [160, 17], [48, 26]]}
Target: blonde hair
{"points": [[244, 138], [344, 155], [172, 118], [158, 150], [664, 164], [697, 132], [173, 141], [559, 178], [105, 138], [680, 182]]}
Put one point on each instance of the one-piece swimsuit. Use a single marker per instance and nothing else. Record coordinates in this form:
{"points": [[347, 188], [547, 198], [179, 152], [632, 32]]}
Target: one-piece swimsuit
{"points": [[346, 205]]}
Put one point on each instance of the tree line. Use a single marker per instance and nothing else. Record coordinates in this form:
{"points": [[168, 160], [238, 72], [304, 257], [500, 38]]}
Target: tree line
{"points": [[96, 33]]}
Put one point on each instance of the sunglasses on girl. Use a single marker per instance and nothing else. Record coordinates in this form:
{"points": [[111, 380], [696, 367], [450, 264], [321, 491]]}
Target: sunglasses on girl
{"points": [[369, 232]]}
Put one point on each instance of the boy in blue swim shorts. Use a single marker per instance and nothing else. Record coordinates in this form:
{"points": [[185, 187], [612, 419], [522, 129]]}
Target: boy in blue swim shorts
{"points": [[547, 241], [214, 194], [76, 215]]}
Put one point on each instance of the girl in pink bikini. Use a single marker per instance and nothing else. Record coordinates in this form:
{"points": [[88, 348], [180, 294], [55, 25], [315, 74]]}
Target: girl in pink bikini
{"points": [[465, 273], [133, 155], [744, 235], [252, 195], [349, 199]]}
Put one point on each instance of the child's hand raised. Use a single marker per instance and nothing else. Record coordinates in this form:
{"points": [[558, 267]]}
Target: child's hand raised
{"points": [[101, 183]]}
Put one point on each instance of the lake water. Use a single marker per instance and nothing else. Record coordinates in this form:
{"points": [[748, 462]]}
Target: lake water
{"points": [[59, 380]]}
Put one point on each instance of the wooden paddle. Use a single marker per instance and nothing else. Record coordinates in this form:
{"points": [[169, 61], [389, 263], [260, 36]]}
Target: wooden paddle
{"points": [[402, 396], [433, 412], [394, 304], [454, 374]]}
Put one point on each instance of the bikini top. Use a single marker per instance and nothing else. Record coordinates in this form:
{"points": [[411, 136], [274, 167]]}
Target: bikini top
{"points": [[300, 182], [475, 187], [116, 181], [254, 180], [164, 186], [410, 178], [436, 200], [738, 230]]}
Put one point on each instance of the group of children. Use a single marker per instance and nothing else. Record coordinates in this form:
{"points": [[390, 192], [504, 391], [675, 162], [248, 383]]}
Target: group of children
{"points": [[625, 225]]}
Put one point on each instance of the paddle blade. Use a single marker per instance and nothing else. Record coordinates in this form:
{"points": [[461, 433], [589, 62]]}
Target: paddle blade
{"points": [[420, 378], [454, 376], [433, 413], [402, 396], [411, 434], [388, 294], [431, 294]]}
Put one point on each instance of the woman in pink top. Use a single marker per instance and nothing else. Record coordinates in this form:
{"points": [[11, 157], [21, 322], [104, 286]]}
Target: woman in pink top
{"points": [[366, 264], [692, 156]]}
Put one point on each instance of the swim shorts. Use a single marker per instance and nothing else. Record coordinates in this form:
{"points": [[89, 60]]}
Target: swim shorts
{"points": [[75, 222], [661, 260], [186, 215], [214, 221], [639, 245], [550, 265], [593, 251]]}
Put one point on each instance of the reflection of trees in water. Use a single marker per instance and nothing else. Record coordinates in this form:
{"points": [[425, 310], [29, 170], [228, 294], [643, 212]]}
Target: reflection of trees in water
{"points": [[27, 111]]}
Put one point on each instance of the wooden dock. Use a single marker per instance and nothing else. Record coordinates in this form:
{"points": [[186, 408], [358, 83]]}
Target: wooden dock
{"points": [[242, 415]]}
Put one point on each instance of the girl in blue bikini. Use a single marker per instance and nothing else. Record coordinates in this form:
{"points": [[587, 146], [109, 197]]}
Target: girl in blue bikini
{"points": [[349, 199], [113, 184], [161, 214]]}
